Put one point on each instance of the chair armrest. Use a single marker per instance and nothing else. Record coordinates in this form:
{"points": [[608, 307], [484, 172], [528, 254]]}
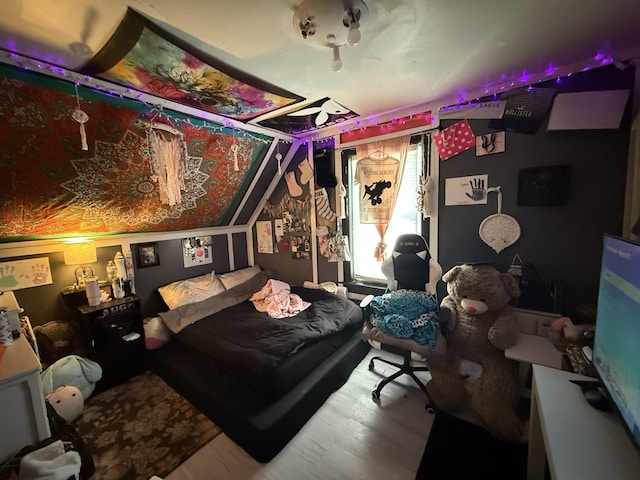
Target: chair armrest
{"points": [[364, 303]]}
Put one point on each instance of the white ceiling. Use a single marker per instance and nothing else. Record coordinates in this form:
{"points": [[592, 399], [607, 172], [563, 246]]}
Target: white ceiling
{"points": [[413, 54]]}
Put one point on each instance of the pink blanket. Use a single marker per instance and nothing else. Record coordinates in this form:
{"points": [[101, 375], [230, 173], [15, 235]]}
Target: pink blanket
{"points": [[276, 299]]}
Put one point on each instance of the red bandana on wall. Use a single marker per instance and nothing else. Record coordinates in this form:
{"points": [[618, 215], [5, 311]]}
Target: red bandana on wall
{"points": [[53, 187]]}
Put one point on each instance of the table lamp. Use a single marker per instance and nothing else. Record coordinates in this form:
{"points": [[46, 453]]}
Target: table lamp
{"points": [[80, 252]]}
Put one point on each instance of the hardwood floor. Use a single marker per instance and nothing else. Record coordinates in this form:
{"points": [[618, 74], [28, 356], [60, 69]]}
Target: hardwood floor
{"points": [[349, 437]]}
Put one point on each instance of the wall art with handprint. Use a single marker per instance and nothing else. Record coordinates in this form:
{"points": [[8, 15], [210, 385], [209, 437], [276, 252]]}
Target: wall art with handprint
{"points": [[25, 273], [466, 190]]}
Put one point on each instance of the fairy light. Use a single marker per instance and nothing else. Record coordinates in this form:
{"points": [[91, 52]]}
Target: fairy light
{"points": [[114, 91], [223, 124]]}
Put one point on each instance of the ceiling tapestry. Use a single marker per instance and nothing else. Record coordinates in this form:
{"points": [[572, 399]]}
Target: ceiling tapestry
{"points": [[52, 187], [319, 114], [144, 56]]}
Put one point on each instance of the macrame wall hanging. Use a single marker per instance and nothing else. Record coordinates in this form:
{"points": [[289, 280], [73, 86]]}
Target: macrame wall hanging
{"points": [[499, 230], [168, 153], [426, 184]]}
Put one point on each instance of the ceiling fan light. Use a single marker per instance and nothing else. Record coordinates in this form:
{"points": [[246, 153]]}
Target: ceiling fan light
{"points": [[354, 35]]}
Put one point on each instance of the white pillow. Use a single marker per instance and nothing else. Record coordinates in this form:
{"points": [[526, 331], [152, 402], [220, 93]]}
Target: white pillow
{"points": [[231, 279], [191, 290]]}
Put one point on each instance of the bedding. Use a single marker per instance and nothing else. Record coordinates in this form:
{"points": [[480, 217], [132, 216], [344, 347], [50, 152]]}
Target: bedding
{"points": [[191, 290], [258, 377], [242, 336]]}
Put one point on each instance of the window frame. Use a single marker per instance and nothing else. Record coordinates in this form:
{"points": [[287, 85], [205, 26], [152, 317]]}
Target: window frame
{"points": [[419, 160]]}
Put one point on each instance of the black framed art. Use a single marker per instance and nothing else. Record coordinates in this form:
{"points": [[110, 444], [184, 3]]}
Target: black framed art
{"points": [[144, 56], [543, 186], [147, 254]]}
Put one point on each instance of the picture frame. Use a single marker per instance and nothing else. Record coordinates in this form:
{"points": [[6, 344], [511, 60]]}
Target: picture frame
{"points": [[107, 290], [543, 186], [147, 254]]}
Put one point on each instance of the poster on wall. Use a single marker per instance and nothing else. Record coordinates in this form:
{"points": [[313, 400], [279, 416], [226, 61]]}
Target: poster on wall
{"points": [[264, 232], [470, 190], [489, 143], [197, 251], [25, 274], [300, 247]]}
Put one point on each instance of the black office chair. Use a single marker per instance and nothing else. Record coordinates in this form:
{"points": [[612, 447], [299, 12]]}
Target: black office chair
{"points": [[410, 267]]}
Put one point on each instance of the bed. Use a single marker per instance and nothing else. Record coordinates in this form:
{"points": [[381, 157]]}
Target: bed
{"points": [[257, 377]]}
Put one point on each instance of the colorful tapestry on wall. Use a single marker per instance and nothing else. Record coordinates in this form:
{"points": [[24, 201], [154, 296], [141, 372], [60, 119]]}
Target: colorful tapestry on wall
{"points": [[51, 187], [144, 56]]}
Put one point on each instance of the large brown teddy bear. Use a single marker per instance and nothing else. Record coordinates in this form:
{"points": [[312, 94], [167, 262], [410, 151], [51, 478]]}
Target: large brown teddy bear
{"points": [[481, 327]]}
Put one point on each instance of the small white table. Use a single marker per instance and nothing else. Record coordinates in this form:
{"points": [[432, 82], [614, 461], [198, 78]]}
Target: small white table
{"points": [[578, 441], [23, 415]]}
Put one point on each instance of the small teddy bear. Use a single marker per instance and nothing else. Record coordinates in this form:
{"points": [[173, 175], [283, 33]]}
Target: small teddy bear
{"points": [[480, 328]]}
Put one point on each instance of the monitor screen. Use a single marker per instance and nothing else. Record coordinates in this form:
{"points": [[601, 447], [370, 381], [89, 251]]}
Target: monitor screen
{"points": [[616, 349]]}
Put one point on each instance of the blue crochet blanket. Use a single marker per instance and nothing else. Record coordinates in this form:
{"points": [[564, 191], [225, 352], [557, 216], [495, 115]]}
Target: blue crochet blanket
{"points": [[406, 314]]}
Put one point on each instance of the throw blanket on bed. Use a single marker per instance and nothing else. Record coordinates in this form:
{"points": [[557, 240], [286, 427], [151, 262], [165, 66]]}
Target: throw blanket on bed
{"points": [[276, 299], [242, 336]]}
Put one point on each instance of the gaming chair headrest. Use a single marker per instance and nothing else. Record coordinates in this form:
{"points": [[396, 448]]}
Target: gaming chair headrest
{"points": [[411, 243], [408, 265]]}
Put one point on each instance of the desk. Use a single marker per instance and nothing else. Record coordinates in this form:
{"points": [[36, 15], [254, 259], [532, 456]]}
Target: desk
{"points": [[534, 349], [578, 441], [23, 415]]}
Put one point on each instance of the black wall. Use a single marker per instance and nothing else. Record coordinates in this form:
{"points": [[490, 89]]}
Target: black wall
{"points": [[42, 304], [564, 243]]}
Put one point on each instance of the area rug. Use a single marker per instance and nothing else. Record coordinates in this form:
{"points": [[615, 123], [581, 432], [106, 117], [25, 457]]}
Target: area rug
{"points": [[459, 449], [141, 428]]}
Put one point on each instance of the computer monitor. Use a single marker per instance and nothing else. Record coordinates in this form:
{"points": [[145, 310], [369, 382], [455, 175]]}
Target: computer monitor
{"points": [[616, 349]]}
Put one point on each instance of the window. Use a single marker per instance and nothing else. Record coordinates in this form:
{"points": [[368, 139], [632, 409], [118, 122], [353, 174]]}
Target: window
{"points": [[406, 218]]}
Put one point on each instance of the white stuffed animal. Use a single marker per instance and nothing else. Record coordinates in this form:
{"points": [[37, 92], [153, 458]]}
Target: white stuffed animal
{"points": [[67, 401], [74, 370]]}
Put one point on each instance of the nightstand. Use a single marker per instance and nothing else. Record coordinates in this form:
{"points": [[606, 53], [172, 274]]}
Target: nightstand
{"points": [[115, 331]]}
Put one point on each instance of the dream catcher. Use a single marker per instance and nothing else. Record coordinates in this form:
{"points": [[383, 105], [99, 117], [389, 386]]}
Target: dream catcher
{"points": [[168, 153]]}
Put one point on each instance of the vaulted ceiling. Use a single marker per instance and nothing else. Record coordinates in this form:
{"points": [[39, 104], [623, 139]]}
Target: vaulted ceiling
{"points": [[413, 55]]}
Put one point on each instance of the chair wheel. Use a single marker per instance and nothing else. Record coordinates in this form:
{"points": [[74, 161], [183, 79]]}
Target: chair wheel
{"points": [[375, 394]]}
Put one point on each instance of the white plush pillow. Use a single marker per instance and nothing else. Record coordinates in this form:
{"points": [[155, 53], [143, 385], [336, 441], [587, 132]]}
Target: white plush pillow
{"points": [[231, 279], [191, 290]]}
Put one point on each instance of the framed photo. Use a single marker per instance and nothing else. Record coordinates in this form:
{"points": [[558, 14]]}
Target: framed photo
{"points": [[147, 255], [107, 290], [543, 186]]}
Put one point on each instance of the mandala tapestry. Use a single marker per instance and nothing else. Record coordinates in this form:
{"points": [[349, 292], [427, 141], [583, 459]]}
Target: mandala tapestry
{"points": [[52, 187]]}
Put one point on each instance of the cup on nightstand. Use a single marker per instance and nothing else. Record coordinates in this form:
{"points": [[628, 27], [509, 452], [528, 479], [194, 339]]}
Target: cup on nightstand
{"points": [[93, 291]]}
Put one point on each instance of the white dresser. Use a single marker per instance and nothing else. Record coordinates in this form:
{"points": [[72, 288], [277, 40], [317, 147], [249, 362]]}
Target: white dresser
{"points": [[23, 415]]}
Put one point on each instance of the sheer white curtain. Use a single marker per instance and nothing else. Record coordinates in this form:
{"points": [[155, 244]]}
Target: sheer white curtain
{"points": [[379, 171]]}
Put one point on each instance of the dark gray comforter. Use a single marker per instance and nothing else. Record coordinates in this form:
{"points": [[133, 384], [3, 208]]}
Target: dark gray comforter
{"points": [[240, 335]]}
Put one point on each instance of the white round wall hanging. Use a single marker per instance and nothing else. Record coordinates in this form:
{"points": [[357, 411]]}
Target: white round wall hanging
{"points": [[499, 230]]}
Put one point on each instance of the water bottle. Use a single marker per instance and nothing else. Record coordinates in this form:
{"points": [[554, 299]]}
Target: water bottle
{"points": [[121, 270], [112, 271]]}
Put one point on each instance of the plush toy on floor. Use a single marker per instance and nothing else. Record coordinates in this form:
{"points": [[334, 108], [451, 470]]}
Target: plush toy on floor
{"points": [[481, 327], [67, 401], [72, 370]]}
